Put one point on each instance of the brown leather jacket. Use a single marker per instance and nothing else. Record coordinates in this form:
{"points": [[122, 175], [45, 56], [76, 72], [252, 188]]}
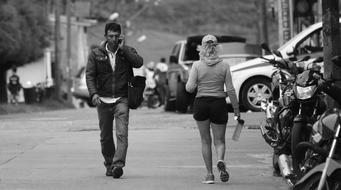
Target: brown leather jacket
{"points": [[100, 77]]}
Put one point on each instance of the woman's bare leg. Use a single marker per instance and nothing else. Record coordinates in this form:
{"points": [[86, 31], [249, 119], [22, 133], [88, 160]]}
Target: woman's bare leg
{"points": [[206, 141], [219, 131], [219, 143]]}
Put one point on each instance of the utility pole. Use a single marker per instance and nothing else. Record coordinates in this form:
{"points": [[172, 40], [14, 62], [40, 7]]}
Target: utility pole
{"points": [[319, 10], [57, 67], [284, 21], [331, 42], [68, 51], [264, 23], [259, 23]]}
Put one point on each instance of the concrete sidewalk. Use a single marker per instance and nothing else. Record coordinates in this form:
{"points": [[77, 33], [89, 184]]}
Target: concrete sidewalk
{"points": [[158, 158]]}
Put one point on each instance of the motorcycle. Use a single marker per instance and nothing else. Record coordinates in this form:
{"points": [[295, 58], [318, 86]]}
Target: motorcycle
{"points": [[311, 105], [280, 113], [326, 175], [151, 96]]}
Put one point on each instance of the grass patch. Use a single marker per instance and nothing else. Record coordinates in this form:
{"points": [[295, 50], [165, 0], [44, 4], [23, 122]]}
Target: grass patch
{"points": [[46, 105]]}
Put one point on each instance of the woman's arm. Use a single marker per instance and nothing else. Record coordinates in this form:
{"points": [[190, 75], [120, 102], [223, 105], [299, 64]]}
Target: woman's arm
{"points": [[231, 92], [191, 84]]}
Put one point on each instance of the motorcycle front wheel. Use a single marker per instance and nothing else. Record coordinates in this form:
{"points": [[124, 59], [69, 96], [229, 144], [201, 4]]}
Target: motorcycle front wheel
{"points": [[275, 163], [313, 182], [298, 134]]}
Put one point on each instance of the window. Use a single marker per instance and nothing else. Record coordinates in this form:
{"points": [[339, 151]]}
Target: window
{"points": [[311, 44], [176, 50]]}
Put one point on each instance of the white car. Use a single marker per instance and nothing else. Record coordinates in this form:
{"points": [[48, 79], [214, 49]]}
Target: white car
{"points": [[252, 78]]}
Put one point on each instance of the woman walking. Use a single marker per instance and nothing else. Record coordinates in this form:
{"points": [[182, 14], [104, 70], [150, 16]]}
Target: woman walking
{"points": [[209, 75]]}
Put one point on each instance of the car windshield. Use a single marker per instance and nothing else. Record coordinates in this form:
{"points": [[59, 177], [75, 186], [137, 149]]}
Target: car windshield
{"points": [[298, 36]]}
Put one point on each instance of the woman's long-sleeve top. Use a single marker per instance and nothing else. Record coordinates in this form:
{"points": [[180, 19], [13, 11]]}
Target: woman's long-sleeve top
{"points": [[209, 78]]}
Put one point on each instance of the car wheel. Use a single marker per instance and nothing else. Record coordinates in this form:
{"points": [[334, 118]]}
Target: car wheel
{"points": [[253, 92], [182, 100]]}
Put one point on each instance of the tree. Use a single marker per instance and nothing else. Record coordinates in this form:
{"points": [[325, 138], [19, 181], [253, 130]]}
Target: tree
{"points": [[24, 34]]}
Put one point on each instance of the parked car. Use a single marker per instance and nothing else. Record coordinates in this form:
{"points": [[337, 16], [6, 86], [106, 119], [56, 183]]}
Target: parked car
{"points": [[79, 89], [252, 78], [234, 50]]}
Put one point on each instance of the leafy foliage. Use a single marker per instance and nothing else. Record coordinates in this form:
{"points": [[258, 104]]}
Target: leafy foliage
{"points": [[23, 32], [187, 17]]}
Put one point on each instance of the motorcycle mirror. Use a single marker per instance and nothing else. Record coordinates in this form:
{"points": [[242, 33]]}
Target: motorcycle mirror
{"points": [[318, 60], [337, 60], [277, 53], [265, 47]]}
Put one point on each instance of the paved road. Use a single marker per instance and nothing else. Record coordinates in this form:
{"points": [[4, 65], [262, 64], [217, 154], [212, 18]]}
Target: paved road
{"points": [[61, 150]]}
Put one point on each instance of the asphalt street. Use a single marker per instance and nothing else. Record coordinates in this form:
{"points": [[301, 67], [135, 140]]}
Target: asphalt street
{"points": [[61, 150]]}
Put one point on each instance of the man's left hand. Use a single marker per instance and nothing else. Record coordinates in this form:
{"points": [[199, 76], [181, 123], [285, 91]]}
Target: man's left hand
{"points": [[121, 39]]}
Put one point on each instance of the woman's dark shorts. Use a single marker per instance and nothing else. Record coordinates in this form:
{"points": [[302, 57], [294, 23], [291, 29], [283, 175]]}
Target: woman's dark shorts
{"points": [[210, 108]]}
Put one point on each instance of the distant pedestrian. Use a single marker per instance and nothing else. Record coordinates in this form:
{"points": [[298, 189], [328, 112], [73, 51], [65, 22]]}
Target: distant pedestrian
{"points": [[14, 86], [148, 72], [108, 70], [160, 76], [209, 75]]}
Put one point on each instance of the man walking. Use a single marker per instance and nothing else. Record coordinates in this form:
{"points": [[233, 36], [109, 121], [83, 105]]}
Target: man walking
{"points": [[108, 70]]}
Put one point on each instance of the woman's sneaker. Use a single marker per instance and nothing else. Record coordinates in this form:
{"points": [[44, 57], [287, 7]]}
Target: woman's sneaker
{"points": [[224, 175], [209, 179]]}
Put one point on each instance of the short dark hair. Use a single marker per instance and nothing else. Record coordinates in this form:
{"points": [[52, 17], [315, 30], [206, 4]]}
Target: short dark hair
{"points": [[112, 26], [162, 60]]}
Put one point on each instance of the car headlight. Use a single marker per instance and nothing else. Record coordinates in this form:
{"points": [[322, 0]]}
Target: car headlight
{"points": [[304, 93]]}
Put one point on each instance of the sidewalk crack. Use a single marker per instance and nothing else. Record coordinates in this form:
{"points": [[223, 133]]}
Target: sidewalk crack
{"points": [[18, 154]]}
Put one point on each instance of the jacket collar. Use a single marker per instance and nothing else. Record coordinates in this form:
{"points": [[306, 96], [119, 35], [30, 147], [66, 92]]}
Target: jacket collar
{"points": [[102, 47]]}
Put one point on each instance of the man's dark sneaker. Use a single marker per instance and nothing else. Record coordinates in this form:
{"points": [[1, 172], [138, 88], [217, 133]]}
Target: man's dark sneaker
{"points": [[108, 172], [117, 172], [109, 169], [224, 175]]}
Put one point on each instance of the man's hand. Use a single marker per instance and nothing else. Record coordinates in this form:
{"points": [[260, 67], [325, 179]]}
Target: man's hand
{"points": [[121, 41], [95, 100]]}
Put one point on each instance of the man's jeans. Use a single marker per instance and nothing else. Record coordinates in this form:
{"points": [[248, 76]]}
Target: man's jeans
{"points": [[107, 114]]}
